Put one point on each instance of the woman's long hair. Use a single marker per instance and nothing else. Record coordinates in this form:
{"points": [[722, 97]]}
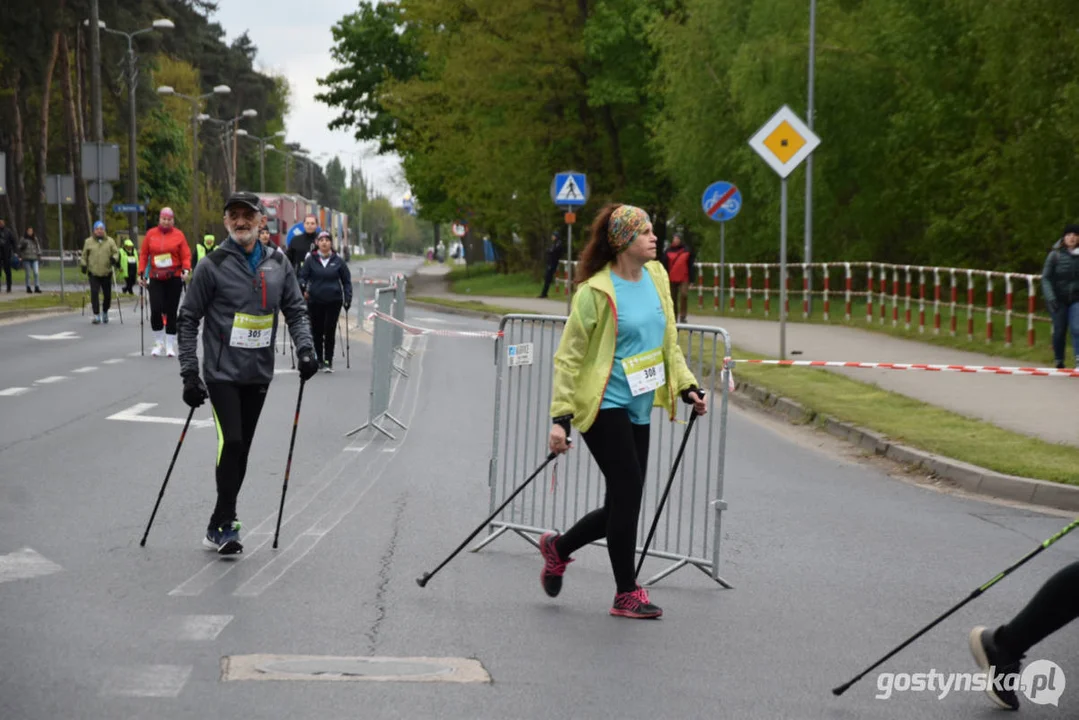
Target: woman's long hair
{"points": [[597, 253]]}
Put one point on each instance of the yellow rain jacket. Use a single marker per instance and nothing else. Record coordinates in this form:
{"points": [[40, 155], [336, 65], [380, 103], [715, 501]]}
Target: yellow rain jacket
{"points": [[585, 355]]}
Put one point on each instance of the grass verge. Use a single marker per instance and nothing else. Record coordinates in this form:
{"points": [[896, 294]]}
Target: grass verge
{"points": [[485, 280], [72, 300], [900, 418], [915, 423], [473, 305]]}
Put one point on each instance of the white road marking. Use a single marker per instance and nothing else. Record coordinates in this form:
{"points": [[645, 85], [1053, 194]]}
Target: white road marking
{"points": [[146, 681], [262, 534], [356, 448], [13, 391], [25, 563], [51, 379], [85, 369], [200, 627], [388, 450], [285, 371], [114, 361], [135, 414], [65, 335]]}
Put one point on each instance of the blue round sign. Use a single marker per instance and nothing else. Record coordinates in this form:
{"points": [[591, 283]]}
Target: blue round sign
{"points": [[721, 201]]}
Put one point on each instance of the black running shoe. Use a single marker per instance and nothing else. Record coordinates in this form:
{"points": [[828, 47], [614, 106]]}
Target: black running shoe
{"points": [[224, 540], [635, 605], [992, 659], [553, 565]]}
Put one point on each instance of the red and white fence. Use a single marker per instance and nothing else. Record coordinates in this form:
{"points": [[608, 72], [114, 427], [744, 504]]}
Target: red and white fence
{"points": [[900, 293]]}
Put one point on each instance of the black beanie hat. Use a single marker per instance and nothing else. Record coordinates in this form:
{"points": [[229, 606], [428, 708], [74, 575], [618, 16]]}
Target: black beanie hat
{"points": [[1068, 229]]}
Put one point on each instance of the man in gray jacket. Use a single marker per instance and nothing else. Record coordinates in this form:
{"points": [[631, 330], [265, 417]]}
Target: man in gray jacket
{"points": [[237, 294]]}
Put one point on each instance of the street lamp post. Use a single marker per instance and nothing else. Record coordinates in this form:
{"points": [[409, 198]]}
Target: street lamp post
{"points": [[132, 85], [249, 113], [194, 100], [262, 152]]}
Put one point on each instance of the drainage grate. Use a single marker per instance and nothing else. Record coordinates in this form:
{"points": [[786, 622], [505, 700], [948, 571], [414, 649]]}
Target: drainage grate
{"points": [[371, 669]]}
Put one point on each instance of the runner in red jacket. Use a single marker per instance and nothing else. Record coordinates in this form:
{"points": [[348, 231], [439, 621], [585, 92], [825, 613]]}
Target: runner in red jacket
{"points": [[164, 262], [679, 261]]}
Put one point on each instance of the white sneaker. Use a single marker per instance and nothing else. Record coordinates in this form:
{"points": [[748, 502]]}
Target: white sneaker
{"points": [[170, 345], [159, 347]]}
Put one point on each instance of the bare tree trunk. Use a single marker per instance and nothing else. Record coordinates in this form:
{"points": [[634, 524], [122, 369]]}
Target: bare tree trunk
{"points": [[43, 148], [81, 211], [80, 89], [18, 153]]}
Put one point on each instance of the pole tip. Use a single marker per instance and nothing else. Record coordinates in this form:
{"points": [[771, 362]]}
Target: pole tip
{"points": [[422, 581], [840, 690]]}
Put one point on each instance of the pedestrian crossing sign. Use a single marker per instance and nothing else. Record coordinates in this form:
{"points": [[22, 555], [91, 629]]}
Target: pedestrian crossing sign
{"points": [[784, 141], [569, 189]]}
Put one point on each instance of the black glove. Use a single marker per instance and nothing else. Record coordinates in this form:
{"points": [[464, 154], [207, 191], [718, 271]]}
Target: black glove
{"points": [[685, 394], [307, 363], [116, 262], [1053, 307], [83, 269], [195, 392], [347, 305]]}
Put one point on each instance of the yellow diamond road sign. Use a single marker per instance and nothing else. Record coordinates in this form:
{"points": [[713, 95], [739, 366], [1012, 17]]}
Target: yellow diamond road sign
{"points": [[784, 141]]}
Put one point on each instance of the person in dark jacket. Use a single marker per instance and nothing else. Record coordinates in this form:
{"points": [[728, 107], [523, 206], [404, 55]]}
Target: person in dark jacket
{"points": [[680, 262], [1060, 286], [302, 243], [236, 294], [7, 250], [29, 254], [554, 254], [327, 286]]}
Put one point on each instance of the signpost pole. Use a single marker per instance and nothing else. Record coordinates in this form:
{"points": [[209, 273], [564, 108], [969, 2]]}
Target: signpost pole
{"points": [[60, 224], [722, 263], [569, 267], [783, 270]]}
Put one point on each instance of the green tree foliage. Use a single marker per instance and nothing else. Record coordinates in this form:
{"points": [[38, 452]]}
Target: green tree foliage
{"points": [[948, 125]]}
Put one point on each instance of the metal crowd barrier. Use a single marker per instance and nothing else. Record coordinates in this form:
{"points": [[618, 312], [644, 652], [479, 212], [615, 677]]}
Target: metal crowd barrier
{"points": [[690, 529], [385, 346]]}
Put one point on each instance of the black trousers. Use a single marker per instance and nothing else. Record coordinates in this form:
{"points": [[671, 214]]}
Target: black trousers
{"points": [[621, 451], [1052, 607], [548, 278], [100, 285], [5, 265], [324, 328], [165, 300], [132, 275], [236, 412]]}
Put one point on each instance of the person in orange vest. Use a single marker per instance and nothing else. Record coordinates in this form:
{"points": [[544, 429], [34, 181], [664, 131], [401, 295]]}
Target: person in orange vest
{"points": [[680, 262], [164, 262]]}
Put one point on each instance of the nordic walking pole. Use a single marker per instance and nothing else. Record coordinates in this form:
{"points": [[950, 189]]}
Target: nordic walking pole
{"points": [[288, 464], [422, 581], [161, 494], [666, 492], [348, 350], [120, 307], [142, 322], [844, 687]]}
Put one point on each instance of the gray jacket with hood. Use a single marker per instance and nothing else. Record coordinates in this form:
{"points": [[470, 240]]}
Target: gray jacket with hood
{"points": [[225, 285]]}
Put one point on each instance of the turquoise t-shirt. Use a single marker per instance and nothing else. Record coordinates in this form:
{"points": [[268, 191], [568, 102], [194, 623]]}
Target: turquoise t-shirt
{"points": [[641, 326]]}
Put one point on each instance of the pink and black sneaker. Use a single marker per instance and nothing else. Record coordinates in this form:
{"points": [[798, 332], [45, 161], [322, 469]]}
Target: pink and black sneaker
{"points": [[636, 605], [553, 565]]}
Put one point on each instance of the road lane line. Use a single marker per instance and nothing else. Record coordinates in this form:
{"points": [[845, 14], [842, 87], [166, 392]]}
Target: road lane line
{"points": [[13, 391], [51, 379], [86, 369]]}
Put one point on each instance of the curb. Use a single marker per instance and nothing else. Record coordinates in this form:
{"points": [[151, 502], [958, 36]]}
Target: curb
{"points": [[455, 311], [31, 312], [973, 479]]}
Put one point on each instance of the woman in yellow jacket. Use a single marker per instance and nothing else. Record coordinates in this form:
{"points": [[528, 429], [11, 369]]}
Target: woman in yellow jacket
{"points": [[618, 357]]}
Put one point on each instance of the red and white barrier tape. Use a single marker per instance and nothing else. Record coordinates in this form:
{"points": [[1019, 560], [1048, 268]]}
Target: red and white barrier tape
{"points": [[413, 330], [974, 369]]}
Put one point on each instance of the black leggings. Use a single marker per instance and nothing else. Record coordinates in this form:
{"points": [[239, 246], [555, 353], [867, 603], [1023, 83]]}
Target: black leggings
{"points": [[1052, 607], [324, 328], [236, 411], [165, 300], [621, 451], [102, 284]]}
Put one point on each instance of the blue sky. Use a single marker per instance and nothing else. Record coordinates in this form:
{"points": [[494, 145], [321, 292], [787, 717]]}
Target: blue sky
{"points": [[294, 38]]}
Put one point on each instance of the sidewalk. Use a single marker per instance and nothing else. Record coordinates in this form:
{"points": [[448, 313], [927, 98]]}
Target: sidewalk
{"points": [[1035, 406]]}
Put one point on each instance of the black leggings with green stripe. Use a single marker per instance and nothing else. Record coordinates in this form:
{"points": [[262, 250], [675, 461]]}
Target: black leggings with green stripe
{"points": [[236, 411]]}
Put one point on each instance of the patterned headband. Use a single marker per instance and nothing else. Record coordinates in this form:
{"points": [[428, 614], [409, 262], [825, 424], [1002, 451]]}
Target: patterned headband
{"points": [[625, 224]]}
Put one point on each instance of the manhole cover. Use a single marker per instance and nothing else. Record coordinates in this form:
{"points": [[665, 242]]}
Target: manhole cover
{"points": [[376, 669]]}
